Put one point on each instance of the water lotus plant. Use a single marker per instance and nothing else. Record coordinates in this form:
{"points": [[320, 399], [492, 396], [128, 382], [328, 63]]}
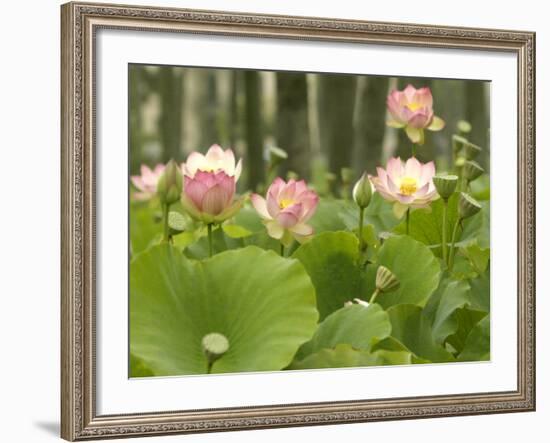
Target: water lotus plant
{"points": [[355, 283], [412, 110], [146, 182], [286, 210]]}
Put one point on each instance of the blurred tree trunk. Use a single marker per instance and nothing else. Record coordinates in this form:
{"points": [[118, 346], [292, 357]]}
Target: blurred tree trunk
{"points": [[477, 113], [170, 89], [254, 131], [292, 122], [137, 97], [369, 123], [200, 110], [336, 106]]}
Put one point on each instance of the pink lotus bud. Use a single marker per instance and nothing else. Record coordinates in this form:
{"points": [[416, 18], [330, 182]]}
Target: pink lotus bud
{"points": [[215, 160], [209, 196], [412, 109], [286, 209], [409, 185], [147, 182]]}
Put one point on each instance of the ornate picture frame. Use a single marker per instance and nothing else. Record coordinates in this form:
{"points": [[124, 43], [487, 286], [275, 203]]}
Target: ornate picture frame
{"points": [[80, 22]]}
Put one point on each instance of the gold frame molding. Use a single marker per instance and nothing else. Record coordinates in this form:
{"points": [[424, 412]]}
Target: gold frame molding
{"points": [[79, 23]]}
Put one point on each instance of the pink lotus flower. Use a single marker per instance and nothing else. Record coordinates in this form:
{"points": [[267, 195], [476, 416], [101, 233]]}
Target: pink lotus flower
{"points": [[412, 109], [216, 159], [409, 185], [147, 181], [209, 196], [286, 210]]}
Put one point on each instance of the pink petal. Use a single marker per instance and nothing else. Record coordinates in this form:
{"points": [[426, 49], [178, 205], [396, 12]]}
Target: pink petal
{"points": [[405, 199], [413, 168], [214, 200], [238, 170], [428, 171], [214, 154], [195, 191], [195, 161], [260, 206], [422, 191], [421, 118], [138, 182], [394, 168], [424, 97], [286, 219], [295, 210], [287, 192], [276, 186], [272, 205], [309, 204], [410, 92]]}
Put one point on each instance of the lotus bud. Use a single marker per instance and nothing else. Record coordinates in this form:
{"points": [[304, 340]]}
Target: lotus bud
{"points": [[362, 191], [347, 175], [276, 156], [386, 280], [170, 184], [464, 127], [176, 222], [214, 345], [445, 185], [291, 175], [472, 170], [458, 143], [467, 206], [471, 151]]}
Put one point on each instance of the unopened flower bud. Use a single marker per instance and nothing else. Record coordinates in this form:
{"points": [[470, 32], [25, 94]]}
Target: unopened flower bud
{"points": [[445, 185], [214, 345], [471, 151], [276, 156], [170, 184], [472, 170], [362, 191], [464, 127], [347, 175], [291, 175], [467, 206], [458, 143], [386, 280]]}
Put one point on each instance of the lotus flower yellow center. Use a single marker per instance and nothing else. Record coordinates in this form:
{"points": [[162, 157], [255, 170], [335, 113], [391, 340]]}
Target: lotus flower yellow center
{"points": [[414, 106], [285, 203], [408, 186]]}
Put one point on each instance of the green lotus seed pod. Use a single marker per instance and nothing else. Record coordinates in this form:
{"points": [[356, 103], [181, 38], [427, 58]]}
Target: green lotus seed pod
{"points": [[214, 345], [471, 151], [170, 184], [464, 127], [362, 191], [458, 143], [386, 280], [467, 206], [176, 221], [472, 170], [445, 185]]}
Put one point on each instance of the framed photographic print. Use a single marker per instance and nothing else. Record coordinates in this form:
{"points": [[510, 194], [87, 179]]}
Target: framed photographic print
{"points": [[283, 221]]}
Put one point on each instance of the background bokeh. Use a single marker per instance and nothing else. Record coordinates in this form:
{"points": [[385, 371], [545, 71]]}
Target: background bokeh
{"points": [[325, 122]]}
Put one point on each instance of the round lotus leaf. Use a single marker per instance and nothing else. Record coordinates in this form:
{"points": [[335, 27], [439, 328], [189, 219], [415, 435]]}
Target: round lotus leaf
{"points": [[263, 304]]}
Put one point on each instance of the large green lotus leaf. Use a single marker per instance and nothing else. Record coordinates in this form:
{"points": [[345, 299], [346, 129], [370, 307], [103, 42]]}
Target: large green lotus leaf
{"points": [[356, 325], [328, 217], [426, 224], [138, 368], [345, 356], [332, 261], [145, 225], [392, 346], [412, 328], [478, 343], [379, 214], [263, 303], [466, 320], [456, 295], [414, 265], [477, 228]]}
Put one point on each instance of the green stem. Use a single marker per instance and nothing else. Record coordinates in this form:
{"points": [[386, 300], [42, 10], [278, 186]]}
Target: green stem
{"points": [[165, 211], [453, 240], [361, 221], [282, 250], [210, 240], [408, 218], [209, 367], [414, 146], [444, 231], [374, 295]]}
